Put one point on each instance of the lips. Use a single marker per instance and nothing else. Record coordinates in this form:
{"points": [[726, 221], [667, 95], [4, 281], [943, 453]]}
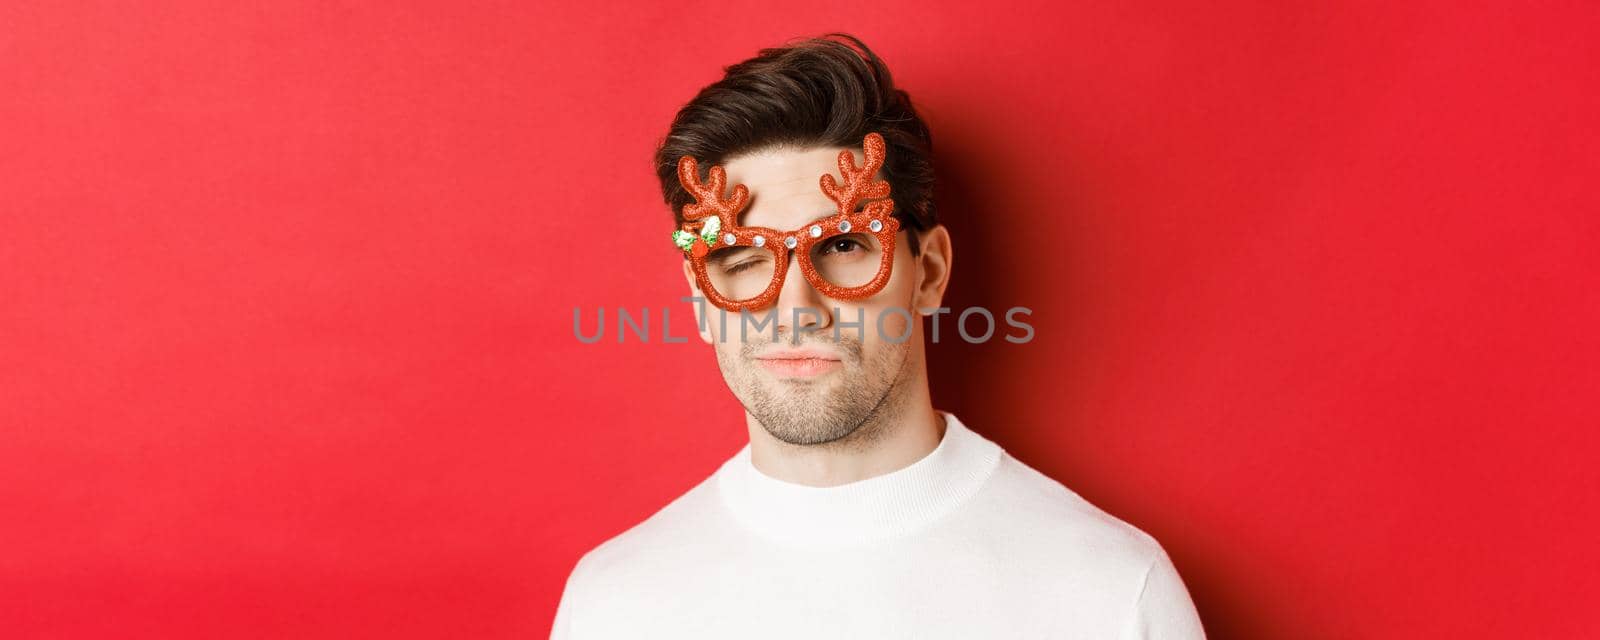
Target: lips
{"points": [[800, 363]]}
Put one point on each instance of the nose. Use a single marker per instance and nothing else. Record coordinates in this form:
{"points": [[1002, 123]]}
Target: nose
{"points": [[800, 307]]}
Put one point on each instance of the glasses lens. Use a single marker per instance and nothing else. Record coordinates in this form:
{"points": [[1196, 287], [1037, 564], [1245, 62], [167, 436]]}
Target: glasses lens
{"points": [[848, 259], [740, 273]]}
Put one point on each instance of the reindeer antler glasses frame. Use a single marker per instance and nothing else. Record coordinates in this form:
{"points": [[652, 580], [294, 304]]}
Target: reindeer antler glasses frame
{"points": [[847, 255]]}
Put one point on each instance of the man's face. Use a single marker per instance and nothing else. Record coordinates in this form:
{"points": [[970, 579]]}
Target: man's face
{"points": [[811, 386]]}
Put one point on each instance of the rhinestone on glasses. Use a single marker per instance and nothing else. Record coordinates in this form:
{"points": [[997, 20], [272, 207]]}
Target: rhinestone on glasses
{"points": [[761, 241], [789, 242], [816, 231], [875, 226], [844, 226], [727, 238]]}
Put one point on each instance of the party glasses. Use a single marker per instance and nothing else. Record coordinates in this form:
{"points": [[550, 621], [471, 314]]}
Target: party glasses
{"points": [[847, 255]]}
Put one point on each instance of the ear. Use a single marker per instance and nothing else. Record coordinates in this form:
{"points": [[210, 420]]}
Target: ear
{"points": [[701, 307], [933, 268]]}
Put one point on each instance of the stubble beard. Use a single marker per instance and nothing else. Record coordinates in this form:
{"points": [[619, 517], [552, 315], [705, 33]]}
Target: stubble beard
{"points": [[840, 408]]}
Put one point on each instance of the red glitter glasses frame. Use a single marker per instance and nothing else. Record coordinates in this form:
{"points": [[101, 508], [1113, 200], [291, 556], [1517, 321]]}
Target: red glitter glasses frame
{"points": [[874, 218]]}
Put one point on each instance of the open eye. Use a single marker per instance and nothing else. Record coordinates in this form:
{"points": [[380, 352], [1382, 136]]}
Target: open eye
{"points": [[848, 259], [843, 244]]}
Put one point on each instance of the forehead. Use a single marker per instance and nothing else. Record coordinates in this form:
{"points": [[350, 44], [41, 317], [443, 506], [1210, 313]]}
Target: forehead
{"points": [[783, 184]]}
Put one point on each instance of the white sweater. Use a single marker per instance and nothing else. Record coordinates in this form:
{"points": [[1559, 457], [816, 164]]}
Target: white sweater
{"points": [[967, 542]]}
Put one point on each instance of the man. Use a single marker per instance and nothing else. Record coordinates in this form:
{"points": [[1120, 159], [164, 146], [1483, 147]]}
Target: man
{"points": [[802, 188]]}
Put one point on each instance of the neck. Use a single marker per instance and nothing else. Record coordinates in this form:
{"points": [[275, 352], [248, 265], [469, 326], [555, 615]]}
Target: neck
{"points": [[900, 432]]}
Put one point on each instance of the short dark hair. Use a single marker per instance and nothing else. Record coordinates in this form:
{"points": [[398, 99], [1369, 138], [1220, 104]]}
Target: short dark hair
{"points": [[828, 91]]}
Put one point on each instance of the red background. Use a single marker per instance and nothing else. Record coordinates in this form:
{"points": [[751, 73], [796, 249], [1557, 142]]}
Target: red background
{"points": [[286, 337]]}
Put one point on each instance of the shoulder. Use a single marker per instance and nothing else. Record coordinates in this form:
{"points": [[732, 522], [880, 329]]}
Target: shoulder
{"points": [[1054, 522], [666, 534], [638, 558], [1082, 564]]}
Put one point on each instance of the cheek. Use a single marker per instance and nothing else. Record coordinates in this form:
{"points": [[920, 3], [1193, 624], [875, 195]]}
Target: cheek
{"points": [[725, 339], [882, 323], [902, 277], [888, 313], [893, 303], [894, 325], [728, 357]]}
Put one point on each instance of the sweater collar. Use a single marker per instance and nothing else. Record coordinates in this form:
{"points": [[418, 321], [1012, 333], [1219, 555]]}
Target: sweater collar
{"points": [[866, 510]]}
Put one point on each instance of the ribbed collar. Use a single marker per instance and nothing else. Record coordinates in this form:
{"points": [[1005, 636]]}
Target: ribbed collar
{"points": [[867, 510]]}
